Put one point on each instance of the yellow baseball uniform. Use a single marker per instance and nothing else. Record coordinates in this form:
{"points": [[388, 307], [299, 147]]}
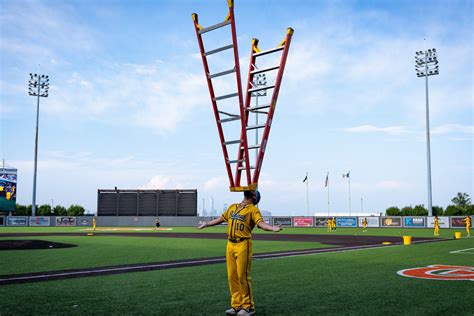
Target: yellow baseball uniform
{"points": [[436, 226], [241, 221], [94, 223], [364, 224], [329, 223], [467, 220]]}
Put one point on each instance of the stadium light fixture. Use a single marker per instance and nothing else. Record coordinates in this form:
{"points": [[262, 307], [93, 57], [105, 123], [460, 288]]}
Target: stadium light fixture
{"points": [[38, 87], [425, 66]]}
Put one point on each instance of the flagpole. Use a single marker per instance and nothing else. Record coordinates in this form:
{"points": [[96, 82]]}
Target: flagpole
{"points": [[307, 195], [349, 194], [327, 184]]}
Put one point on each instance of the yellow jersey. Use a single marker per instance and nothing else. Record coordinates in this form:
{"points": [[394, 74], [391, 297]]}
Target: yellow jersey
{"points": [[436, 222], [468, 221], [241, 220]]}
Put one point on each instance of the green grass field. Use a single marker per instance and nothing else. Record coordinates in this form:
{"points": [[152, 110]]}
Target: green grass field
{"points": [[347, 283]]}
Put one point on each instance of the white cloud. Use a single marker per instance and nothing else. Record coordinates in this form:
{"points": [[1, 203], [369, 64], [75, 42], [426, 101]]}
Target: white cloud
{"points": [[391, 130], [453, 128]]}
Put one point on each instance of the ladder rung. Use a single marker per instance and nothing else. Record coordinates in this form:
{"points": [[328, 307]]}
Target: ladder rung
{"points": [[257, 71], [255, 108], [220, 49], [228, 114], [243, 168], [213, 27], [255, 126], [254, 147], [222, 97], [261, 88], [235, 118], [273, 50], [222, 73], [230, 142], [236, 161]]}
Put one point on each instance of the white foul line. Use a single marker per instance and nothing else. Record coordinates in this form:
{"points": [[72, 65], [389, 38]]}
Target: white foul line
{"points": [[463, 251]]}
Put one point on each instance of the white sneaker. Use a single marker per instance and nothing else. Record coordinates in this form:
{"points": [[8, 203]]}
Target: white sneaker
{"points": [[232, 311], [246, 312]]}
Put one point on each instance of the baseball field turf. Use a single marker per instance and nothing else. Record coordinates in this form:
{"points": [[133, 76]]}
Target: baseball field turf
{"points": [[351, 282]]}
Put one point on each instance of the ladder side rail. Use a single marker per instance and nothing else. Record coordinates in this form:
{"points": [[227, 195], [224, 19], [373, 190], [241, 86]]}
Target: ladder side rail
{"points": [[248, 97], [214, 103], [243, 132], [266, 132]]}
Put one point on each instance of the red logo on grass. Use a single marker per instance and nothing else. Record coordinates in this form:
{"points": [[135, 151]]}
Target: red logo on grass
{"points": [[440, 272]]}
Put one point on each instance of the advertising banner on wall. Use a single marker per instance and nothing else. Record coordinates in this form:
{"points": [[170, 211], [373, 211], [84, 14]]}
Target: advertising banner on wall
{"points": [[372, 221], [40, 221], [443, 221], [389, 221], [17, 221], [458, 221], [65, 221], [346, 221], [84, 221], [7, 189], [283, 221], [414, 222], [303, 221], [321, 222], [267, 219]]}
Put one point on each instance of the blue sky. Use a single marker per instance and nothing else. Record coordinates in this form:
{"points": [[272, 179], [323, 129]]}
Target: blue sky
{"points": [[129, 105]]}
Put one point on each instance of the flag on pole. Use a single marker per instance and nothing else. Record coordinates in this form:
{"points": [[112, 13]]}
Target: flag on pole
{"points": [[344, 175], [327, 180], [305, 178]]}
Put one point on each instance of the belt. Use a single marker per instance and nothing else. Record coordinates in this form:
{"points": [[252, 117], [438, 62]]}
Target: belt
{"points": [[236, 240]]}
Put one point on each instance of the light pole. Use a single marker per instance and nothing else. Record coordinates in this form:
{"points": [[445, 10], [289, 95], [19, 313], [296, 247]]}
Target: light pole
{"points": [[38, 87], [426, 64], [258, 80]]}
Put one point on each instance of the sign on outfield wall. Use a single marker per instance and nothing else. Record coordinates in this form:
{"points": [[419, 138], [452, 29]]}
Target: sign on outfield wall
{"points": [[346, 221], [458, 221], [65, 221], [283, 221], [267, 219], [39, 221], [303, 221], [389, 221], [414, 222], [443, 221], [17, 221], [321, 222], [372, 221]]}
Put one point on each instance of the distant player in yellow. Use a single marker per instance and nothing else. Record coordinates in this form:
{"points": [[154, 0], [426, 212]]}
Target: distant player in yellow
{"points": [[329, 223], [334, 226], [364, 225], [436, 226], [241, 219], [467, 220], [94, 223]]}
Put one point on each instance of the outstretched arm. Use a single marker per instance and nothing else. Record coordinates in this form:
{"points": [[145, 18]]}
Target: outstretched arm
{"points": [[267, 227], [214, 222]]}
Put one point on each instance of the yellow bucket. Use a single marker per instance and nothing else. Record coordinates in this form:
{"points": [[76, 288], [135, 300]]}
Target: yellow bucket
{"points": [[407, 240], [457, 235]]}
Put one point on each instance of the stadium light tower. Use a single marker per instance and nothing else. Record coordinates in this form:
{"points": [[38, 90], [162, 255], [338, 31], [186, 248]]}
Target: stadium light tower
{"points": [[426, 64], [38, 87], [258, 81]]}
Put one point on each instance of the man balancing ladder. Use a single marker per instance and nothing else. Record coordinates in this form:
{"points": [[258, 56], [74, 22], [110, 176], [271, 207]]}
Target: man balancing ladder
{"points": [[241, 218], [244, 216]]}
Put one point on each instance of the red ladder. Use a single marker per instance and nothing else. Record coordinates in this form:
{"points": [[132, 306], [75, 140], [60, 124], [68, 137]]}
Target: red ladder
{"points": [[243, 161]]}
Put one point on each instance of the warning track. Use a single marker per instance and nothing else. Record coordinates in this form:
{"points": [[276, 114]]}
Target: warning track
{"points": [[108, 270]]}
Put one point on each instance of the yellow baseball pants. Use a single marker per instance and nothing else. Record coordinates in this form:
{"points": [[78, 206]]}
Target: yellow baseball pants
{"points": [[239, 265]]}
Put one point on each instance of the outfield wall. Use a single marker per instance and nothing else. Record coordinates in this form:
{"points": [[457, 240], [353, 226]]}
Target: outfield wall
{"points": [[186, 221]]}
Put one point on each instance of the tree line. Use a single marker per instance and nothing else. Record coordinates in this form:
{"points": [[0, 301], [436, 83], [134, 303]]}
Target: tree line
{"points": [[46, 210], [461, 206]]}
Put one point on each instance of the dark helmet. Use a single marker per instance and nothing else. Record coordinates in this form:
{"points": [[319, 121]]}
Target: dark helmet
{"points": [[254, 195]]}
